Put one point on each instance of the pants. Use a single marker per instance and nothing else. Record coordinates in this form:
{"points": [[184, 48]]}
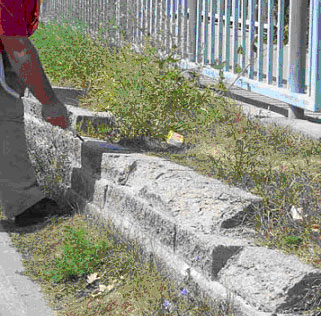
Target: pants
{"points": [[18, 184]]}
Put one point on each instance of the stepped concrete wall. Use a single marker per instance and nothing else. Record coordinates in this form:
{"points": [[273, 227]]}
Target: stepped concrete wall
{"points": [[197, 229]]}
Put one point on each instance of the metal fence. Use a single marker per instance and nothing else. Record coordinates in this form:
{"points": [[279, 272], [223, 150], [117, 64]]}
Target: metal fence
{"points": [[243, 34]]}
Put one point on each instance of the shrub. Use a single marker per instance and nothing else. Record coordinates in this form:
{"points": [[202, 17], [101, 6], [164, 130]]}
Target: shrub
{"points": [[79, 256]]}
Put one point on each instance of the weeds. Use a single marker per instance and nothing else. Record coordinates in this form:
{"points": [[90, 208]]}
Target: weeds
{"points": [[149, 96], [79, 257], [85, 268]]}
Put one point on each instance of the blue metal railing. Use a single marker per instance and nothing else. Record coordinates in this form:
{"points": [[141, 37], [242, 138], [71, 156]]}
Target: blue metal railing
{"points": [[305, 97], [210, 31]]}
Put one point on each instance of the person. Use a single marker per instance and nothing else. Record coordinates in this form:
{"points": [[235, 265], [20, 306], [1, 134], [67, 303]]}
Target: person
{"points": [[20, 196]]}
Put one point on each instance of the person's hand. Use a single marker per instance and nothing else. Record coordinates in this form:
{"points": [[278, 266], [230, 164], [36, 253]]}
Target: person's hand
{"points": [[56, 114]]}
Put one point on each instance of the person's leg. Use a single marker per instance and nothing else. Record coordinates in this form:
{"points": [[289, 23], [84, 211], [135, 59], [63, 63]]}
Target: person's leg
{"points": [[12, 80], [19, 189]]}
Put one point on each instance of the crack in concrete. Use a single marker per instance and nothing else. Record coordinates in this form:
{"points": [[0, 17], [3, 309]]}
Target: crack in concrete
{"points": [[128, 171]]}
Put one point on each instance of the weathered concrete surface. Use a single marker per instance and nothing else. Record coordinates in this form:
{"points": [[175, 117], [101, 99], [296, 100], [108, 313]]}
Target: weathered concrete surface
{"points": [[252, 272], [272, 111], [199, 228], [19, 295], [199, 202]]}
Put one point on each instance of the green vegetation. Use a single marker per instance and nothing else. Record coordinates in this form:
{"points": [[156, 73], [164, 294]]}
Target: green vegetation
{"points": [[84, 268], [149, 96], [79, 256]]}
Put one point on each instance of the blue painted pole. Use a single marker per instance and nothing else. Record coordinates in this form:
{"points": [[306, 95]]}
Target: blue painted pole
{"points": [[220, 23], [227, 33], [167, 26], [235, 32], [297, 51], [297, 45], [309, 70], [173, 24], [214, 6], [261, 8], [205, 32], [192, 6], [280, 43], [270, 41], [185, 31], [244, 9], [316, 55], [179, 26], [251, 39], [198, 29]]}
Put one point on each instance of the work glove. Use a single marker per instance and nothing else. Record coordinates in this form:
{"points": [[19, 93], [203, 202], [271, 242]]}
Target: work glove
{"points": [[56, 114]]}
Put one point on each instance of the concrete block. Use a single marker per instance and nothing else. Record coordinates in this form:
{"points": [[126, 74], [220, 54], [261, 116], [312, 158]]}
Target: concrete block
{"points": [[180, 191], [271, 280], [178, 216]]}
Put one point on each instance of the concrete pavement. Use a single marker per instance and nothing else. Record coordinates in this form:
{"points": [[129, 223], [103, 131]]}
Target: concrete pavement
{"points": [[19, 295], [269, 110]]}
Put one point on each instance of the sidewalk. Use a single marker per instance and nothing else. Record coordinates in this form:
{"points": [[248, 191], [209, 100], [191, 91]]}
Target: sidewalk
{"points": [[19, 296], [269, 110]]}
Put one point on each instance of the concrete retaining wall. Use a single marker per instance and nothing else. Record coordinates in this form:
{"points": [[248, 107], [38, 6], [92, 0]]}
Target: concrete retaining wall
{"points": [[197, 228]]}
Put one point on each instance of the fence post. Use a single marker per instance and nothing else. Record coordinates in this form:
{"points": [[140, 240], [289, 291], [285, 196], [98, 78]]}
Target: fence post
{"points": [[43, 9], [192, 5], [298, 17], [315, 56]]}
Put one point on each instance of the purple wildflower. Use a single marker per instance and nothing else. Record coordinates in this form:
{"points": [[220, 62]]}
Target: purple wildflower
{"points": [[184, 292], [166, 304]]}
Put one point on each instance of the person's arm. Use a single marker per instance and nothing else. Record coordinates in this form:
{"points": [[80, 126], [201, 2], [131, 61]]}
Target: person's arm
{"points": [[25, 62]]}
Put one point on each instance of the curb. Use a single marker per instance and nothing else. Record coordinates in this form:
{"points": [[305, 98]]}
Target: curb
{"points": [[174, 213]]}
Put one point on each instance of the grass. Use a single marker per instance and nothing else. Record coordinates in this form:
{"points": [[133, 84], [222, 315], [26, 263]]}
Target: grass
{"points": [[150, 97], [281, 167], [84, 268]]}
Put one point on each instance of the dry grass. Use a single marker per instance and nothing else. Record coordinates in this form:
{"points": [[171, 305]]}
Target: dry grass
{"points": [[271, 162]]}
